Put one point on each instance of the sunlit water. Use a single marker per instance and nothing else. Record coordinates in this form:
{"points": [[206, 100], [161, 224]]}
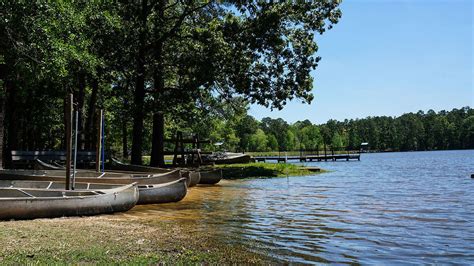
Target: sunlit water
{"points": [[388, 208]]}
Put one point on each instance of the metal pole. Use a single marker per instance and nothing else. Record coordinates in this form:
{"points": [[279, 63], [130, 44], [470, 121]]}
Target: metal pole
{"points": [[103, 142], [99, 141], [75, 152], [69, 102]]}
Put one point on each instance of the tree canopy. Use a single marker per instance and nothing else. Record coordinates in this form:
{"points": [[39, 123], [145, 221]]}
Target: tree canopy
{"points": [[200, 64], [188, 60]]}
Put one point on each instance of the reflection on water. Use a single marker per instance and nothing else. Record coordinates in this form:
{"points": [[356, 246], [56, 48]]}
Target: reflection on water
{"points": [[389, 208]]}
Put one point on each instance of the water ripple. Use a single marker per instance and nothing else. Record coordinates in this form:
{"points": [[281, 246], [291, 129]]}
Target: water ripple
{"points": [[394, 208]]}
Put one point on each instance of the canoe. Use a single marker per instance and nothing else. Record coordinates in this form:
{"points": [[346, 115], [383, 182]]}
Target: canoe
{"points": [[31, 203], [210, 177], [84, 176], [40, 165], [163, 193], [148, 194], [118, 165], [228, 158], [192, 177]]}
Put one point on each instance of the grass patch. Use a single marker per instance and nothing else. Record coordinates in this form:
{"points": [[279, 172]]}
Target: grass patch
{"points": [[263, 170], [116, 239]]}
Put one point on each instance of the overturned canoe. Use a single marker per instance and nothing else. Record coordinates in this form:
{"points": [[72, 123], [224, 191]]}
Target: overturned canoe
{"points": [[210, 177], [228, 158], [31, 203], [148, 194]]}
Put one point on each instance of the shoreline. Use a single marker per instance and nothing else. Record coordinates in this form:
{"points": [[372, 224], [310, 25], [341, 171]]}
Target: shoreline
{"points": [[139, 236], [134, 237], [266, 170]]}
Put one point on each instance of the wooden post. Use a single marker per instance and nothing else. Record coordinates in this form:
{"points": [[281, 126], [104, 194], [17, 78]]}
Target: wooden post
{"points": [[175, 152], [194, 150], [99, 141], [178, 145], [199, 157], [181, 141], [157, 151], [325, 153], [68, 114]]}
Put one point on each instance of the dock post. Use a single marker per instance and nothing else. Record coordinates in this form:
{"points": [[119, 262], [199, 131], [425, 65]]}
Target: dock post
{"points": [[68, 114], [325, 153]]}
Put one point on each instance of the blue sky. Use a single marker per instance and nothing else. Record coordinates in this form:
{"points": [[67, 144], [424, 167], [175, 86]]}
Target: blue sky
{"points": [[389, 57]]}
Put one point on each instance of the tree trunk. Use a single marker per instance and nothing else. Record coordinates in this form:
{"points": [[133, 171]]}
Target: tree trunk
{"points": [[157, 154], [124, 132], [139, 99], [80, 108], [2, 115], [91, 111], [11, 116]]}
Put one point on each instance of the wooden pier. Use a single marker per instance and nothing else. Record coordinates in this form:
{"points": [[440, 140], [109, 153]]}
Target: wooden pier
{"points": [[309, 158]]}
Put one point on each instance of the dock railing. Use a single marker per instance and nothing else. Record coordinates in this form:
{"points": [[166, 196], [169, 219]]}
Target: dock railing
{"points": [[303, 155]]}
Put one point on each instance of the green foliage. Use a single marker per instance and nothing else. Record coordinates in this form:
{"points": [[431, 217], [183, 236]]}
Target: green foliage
{"points": [[258, 141], [420, 131], [263, 170], [200, 63]]}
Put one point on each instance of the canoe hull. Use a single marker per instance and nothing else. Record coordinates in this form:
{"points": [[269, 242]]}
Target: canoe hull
{"points": [[92, 177], [117, 165], [115, 200], [230, 158], [148, 194], [210, 177], [164, 193], [193, 177]]}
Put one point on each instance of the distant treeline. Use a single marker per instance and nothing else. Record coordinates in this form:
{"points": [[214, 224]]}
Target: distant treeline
{"points": [[410, 132]]}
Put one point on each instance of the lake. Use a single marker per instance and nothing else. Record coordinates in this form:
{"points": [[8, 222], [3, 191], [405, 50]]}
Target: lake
{"points": [[411, 208]]}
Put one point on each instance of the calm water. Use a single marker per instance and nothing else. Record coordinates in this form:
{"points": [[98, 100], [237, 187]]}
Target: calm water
{"points": [[388, 208]]}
